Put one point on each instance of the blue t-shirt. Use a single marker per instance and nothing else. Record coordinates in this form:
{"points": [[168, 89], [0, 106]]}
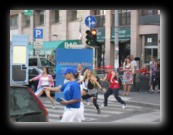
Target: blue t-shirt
{"points": [[71, 90]]}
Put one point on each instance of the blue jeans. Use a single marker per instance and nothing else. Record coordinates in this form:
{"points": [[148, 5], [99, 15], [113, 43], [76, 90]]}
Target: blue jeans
{"points": [[116, 95]]}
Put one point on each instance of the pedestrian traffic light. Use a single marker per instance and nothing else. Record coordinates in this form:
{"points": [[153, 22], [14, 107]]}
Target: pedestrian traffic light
{"points": [[91, 37]]}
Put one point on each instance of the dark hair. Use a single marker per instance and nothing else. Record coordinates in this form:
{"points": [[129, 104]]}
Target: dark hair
{"points": [[47, 70], [83, 71], [76, 75]]}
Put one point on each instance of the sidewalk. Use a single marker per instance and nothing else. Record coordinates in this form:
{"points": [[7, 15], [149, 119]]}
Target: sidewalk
{"points": [[138, 98]]}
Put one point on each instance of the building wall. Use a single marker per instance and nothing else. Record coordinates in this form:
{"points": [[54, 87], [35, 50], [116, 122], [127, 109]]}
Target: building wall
{"points": [[67, 29]]}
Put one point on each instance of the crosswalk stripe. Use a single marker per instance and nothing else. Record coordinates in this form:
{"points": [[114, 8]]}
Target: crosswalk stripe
{"points": [[111, 105], [90, 112], [146, 117]]}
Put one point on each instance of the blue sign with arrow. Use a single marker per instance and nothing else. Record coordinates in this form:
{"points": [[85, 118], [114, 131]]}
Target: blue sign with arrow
{"points": [[90, 21]]}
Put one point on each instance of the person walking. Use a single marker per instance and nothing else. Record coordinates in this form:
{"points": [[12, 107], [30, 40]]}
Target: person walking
{"points": [[153, 69], [84, 89], [158, 75], [127, 76], [72, 96], [45, 80], [113, 87], [91, 83]]}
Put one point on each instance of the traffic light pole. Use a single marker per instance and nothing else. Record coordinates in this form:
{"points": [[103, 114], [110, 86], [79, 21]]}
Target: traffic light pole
{"points": [[116, 50]]}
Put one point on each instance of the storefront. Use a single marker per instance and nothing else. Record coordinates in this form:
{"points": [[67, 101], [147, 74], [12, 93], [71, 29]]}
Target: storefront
{"points": [[124, 42], [100, 52], [49, 47]]}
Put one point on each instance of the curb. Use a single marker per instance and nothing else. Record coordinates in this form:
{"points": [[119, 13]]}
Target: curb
{"points": [[156, 106], [144, 104]]}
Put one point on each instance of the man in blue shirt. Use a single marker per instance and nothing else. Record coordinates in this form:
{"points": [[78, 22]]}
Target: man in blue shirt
{"points": [[72, 96]]}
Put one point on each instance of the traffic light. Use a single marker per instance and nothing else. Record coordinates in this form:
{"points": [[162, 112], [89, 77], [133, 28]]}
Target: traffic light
{"points": [[91, 37], [88, 37]]}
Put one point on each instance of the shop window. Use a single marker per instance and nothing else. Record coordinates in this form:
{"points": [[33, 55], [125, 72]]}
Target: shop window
{"points": [[149, 54]]}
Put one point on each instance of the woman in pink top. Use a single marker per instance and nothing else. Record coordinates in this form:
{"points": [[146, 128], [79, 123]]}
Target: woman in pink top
{"points": [[45, 80]]}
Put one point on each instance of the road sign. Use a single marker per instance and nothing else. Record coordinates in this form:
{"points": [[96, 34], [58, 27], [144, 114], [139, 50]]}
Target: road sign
{"points": [[28, 12], [38, 43], [38, 33], [90, 21]]}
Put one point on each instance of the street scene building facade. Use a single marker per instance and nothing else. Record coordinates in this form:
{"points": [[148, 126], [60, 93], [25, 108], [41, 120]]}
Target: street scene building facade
{"points": [[139, 32]]}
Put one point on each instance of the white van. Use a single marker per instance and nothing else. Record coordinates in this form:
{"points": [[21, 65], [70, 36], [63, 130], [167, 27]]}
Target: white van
{"points": [[40, 61]]}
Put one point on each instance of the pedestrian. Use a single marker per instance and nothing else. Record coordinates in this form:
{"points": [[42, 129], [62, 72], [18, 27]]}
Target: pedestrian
{"points": [[80, 68], [158, 75], [153, 69], [45, 80], [134, 63], [127, 76], [84, 89], [72, 96], [113, 86], [91, 83]]}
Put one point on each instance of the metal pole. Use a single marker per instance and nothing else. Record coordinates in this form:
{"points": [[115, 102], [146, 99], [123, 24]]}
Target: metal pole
{"points": [[80, 31], [116, 53], [33, 31]]}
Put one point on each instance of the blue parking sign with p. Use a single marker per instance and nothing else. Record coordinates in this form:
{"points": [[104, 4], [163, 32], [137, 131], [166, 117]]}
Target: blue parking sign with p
{"points": [[38, 33]]}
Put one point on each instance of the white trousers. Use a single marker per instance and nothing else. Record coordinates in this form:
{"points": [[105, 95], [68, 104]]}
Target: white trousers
{"points": [[72, 115]]}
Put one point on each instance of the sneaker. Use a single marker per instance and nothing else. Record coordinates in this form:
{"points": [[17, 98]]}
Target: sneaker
{"points": [[98, 111], [158, 91], [124, 106], [103, 105], [88, 103], [53, 106]]}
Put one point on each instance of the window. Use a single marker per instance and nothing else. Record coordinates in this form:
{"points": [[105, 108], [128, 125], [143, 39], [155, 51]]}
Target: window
{"points": [[57, 16], [45, 62], [151, 40], [100, 17], [148, 12], [124, 17], [149, 54], [76, 15], [28, 21], [41, 17], [33, 62], [14, 22]]}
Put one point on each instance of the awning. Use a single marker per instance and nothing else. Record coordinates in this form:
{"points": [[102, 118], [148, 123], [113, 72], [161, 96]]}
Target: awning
{"points": [[121, 40], [49, 46]]}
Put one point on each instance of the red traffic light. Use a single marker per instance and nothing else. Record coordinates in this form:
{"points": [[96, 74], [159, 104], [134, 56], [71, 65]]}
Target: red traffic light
{"points": [[93, 32]]}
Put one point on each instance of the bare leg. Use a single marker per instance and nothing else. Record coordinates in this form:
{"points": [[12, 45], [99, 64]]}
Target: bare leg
{"points": [[40, 94], [128, 87], [124, 87], [48, 95]]}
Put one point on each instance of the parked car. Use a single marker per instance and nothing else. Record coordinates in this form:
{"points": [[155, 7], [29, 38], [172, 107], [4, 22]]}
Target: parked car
{"points": [[25, 106], [40, 61], [35, 71]]}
